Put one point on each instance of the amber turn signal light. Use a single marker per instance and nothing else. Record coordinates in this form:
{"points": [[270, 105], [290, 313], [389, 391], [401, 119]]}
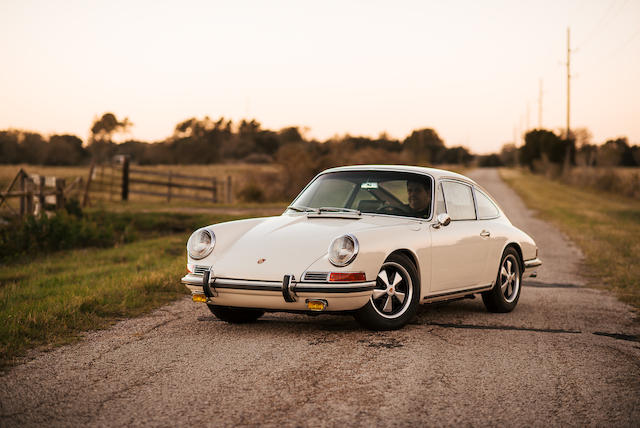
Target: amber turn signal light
{"points": [[199, 298], [317, 305], [347, 277]]}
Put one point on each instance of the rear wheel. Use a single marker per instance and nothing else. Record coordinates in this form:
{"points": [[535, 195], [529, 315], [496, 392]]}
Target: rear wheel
{"points": [[504, 295], [395, 299], [235, 315]]}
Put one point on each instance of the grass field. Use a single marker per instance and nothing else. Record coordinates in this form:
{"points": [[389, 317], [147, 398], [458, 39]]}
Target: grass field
{"points": [[605, 226], [48, 300]]}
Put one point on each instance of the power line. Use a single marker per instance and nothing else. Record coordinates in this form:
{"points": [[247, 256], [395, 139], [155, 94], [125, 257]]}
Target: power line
{"points": [[614, 52], [600, 23]]}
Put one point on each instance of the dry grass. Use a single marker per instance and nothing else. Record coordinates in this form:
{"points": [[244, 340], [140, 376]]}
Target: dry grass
{"points": [[619, 180], [604, 225]]}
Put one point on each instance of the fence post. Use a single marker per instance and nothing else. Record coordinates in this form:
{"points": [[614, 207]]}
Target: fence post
{"points": [[214, 189], [169, 187], [125, 178], [229, 190], [85, 197], [29, 197], [111, 177], [59, 193], [23, 196], [41, 193]]}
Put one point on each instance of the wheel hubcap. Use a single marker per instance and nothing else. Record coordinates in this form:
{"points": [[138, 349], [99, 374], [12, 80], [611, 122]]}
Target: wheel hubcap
{"points": [[393, 291], [510, 278]]}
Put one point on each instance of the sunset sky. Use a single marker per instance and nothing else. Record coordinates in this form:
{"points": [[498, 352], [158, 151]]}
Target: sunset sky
{"points": [[469, 69]]}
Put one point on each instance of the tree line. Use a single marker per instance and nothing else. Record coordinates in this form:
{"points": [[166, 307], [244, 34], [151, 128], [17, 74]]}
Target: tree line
{"points": [[206, 141], [544, 148]]}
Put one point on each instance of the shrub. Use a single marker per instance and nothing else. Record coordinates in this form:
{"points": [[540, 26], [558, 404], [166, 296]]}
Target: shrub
{"points": [[251, 193], [42, 234]]}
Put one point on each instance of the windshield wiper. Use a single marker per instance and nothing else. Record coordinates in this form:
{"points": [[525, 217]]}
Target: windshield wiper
{"points": [[303, 209], [338, 210]]}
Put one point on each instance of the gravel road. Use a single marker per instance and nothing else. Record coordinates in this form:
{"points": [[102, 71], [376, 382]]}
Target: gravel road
{"points": [[567, 355]]}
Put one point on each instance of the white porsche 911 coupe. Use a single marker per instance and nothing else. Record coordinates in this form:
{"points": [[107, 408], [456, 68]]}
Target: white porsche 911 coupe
{"points": [[372, 241]]}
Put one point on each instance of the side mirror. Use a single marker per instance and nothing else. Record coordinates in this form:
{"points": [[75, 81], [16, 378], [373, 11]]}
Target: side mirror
{"points": [[443, 219]]}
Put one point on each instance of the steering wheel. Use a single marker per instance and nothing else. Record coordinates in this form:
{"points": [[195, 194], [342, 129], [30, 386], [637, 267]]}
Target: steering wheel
{"points": [[391, 210]]}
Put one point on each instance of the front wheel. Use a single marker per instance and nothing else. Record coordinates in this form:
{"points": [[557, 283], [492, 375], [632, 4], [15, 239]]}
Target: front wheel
{"points": [[235, 315], [503, 297], [395, 299]]}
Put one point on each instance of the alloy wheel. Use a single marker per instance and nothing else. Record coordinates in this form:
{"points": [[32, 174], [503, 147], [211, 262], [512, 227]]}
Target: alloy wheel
{"points": [[393, 292], [510, 278]]}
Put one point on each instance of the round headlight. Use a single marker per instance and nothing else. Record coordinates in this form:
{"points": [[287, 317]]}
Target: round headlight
{"points": [[201, 243], [343, 250]]}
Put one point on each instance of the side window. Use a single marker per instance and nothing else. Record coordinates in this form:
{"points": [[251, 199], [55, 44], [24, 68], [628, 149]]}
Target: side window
{"points": [[486, 208], [459, 201], [440, 205]]}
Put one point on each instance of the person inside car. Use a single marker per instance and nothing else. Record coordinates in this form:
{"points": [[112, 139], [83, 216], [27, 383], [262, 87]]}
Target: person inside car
{"points": [[419, 198]]}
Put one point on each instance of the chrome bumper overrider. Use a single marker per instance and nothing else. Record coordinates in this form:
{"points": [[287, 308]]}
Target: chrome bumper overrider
{"points": [[530, 267]]}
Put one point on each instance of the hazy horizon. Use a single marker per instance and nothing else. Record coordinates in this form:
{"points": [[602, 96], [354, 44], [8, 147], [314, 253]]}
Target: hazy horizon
{"points": [[468, 70]]}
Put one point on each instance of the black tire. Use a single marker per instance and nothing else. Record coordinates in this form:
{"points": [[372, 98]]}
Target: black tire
{"points": [[504, 295], [386, 310], [235, 315]]}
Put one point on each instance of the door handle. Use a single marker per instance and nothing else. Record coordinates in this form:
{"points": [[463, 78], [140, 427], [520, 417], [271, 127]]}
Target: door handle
{"points": [[485, 234]]}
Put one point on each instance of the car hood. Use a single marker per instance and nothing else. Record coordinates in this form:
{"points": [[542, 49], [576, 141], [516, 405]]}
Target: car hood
{"points": [[289, 244]]}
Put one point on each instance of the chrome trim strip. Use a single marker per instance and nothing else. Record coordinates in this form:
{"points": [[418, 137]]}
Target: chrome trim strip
{"points": [[276, 286], [335, 287], [454, 294], [308, 276]]}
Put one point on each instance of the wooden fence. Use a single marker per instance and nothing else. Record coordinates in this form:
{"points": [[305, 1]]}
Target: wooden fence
{"points": [[118, 181], [37, 193]]}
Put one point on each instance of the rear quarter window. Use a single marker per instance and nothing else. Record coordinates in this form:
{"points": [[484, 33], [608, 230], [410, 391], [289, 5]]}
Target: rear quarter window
{"points": [[486, 208]]}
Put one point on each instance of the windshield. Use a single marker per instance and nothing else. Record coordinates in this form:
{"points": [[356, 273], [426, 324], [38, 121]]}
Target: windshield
{"points": [[379, 192]]}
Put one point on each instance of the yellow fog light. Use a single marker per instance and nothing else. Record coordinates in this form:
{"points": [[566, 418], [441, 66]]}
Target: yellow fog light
{"points": [[316, 305], [199, 298]]}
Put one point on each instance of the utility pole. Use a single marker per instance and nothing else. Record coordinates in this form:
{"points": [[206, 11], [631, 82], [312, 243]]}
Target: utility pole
{"points": [[540, 105], [567, 155], [568, 84]]}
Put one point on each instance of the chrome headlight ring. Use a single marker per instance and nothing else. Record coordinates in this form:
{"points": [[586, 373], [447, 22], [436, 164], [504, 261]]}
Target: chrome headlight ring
{"points": [[201, 243], [343, 250]]}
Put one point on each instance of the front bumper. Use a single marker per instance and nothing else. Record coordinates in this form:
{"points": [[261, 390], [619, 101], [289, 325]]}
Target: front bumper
{"points": [[531, 267], [269, 294]]}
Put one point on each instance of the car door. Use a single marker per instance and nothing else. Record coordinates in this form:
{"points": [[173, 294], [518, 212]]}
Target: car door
{"points": [[459, 250]]}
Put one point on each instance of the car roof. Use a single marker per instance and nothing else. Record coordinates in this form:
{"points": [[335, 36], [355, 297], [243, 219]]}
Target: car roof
{"points": [[434, 172]]}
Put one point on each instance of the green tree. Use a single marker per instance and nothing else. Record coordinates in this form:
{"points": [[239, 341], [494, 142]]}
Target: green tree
{"points": [[9, 147], [424, 145], [101, 145], [65, 150], [543, 144], [33, 148]]}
